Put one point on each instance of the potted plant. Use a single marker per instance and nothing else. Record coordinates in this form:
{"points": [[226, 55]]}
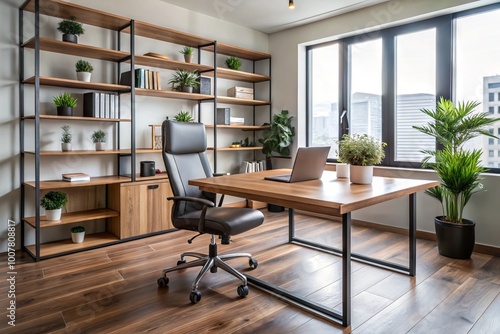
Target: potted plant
{"points": [[458, 169], [187, 51], [53, 202], [361, 152], [71, 29], [83, 70], [183, 116], [66, 138], [99, 139], [233, 63], [65, 103], [77, 234], [279, 137], [185, 81]]}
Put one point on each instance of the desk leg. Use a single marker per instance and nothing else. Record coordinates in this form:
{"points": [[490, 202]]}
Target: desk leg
{"points": [[413, 234], [346, 269], [291, 225]]}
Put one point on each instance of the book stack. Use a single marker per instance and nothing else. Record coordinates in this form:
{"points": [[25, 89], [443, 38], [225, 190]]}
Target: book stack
{"points": [[75, 177], [252, 166], [146, 79], [100, 105]]}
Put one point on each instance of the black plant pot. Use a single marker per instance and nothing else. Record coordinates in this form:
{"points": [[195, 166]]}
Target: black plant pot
{"points": [[64, 111], [70, 38], [455, 240], [275, 208]]}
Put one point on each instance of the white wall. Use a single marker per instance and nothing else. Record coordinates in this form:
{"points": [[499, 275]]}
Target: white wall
{"points": [[288, 51], [149, 110]]}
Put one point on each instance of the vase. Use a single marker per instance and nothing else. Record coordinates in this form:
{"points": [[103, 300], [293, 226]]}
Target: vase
{"points": [[455, 240], [100, 146], [66, 147], [53, 214], [64, 111], [77, 237], [187, 89], [342, 170], [83, 76], [361, 174], [188, 58], [70, 38]]}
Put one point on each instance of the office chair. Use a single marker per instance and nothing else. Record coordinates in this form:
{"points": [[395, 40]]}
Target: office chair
{"points": [[184, 146]]}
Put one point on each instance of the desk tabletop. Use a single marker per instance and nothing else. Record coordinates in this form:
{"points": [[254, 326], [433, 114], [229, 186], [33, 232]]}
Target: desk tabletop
{"points": [[329, 195]]}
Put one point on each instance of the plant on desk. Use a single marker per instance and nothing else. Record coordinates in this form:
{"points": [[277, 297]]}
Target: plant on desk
{"points": [[53, 202], [361, 152], [458, 170]]}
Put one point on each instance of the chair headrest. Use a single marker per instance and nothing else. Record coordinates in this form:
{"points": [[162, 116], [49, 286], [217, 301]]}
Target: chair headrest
{"points": [[183, 138]]}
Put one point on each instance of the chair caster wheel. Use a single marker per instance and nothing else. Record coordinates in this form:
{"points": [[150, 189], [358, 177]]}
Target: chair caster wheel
{"points": [[243, 291], [195, 296], [253, 263], [162, 282], [181, 262]]}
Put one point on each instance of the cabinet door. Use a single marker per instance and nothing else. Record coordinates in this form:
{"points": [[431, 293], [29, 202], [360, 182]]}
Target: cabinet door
{"points": [[144, 208]]}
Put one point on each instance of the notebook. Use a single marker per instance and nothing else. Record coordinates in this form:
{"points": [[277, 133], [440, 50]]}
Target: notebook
{"points": [[308, 165]]}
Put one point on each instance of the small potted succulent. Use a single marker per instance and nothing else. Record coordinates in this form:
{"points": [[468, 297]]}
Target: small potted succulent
{"points": [[66, 138], [183, 116], [53, 202], [99, 139], [71, 29], [361, 152], [185, 81], [83, 70], [233, 63], [77, 234], [65, 103], [187, 51]]}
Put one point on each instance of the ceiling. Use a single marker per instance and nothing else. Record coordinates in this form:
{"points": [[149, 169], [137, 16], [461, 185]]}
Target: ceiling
{"points": [[271, 16]]}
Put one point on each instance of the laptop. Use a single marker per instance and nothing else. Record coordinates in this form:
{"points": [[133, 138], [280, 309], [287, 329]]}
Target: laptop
{"points": [[308, 165]]}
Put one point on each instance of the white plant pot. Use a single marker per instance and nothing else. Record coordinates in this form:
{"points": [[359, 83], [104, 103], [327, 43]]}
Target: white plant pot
{"points": [[53, 214], [100, 146], [77, 237], [342, 170], [66, 147], [83, 76], [361, 174]]}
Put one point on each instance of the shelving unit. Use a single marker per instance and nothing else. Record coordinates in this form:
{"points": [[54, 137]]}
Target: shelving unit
{"points": [[112, 189]]}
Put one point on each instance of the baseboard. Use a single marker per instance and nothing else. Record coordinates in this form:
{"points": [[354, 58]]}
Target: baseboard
{"points": [[480, 248]]}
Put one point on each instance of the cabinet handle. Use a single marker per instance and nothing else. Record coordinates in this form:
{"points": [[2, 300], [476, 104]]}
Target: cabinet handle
{"points": [[154, 186]]}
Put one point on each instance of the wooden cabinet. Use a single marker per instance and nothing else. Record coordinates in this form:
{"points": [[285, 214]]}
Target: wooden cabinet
{"points": [[143, 207]]}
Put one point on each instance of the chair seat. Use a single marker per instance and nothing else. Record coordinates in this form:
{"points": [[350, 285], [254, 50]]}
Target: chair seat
{"points": [[222, 221]]}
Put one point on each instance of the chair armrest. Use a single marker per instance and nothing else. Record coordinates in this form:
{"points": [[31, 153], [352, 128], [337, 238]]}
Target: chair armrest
{"points": [[201, 201]]}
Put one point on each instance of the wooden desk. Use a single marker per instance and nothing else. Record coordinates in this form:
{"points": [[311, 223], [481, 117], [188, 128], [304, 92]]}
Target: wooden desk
{"points": [[332, 196]]}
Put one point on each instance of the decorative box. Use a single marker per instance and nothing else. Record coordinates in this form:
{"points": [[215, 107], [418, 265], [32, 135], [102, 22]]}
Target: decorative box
{"points": [[240, 92]]}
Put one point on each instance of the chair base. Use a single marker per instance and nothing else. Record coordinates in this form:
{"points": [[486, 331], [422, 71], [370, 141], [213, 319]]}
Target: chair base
{"points": [[211, 262]]}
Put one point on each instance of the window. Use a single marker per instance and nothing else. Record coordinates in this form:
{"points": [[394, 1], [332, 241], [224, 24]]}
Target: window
{"points": [[387, 77], [491, 153], [415, 89]]}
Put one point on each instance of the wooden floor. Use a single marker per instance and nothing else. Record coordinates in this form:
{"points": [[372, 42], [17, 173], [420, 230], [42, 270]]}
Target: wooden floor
{"points": [[114, 290]]}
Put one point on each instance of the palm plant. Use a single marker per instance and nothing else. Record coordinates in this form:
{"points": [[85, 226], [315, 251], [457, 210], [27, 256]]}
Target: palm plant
{"points": [[183, 79], [458, 169]]}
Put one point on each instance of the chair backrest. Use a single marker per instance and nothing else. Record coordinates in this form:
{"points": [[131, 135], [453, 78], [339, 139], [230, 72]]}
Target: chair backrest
{"points": [[184, 146]]}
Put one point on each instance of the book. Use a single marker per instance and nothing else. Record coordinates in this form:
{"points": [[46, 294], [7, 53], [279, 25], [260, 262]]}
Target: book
{"points": [[75, 177], [91, 104], [126, 78]]}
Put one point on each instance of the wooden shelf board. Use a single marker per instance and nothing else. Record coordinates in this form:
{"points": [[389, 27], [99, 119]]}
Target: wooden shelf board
{"points": [[78, 118], [168, 35], [73, 217], [231, 50], [64, 246], [226, 73], [253, 148], [65, 10], [170, 64], [243, 102], [240, 127], [94, 181], [173, 94], [162, 176], [147, 150], [81, 50], [67, 83], [80, 152]]}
